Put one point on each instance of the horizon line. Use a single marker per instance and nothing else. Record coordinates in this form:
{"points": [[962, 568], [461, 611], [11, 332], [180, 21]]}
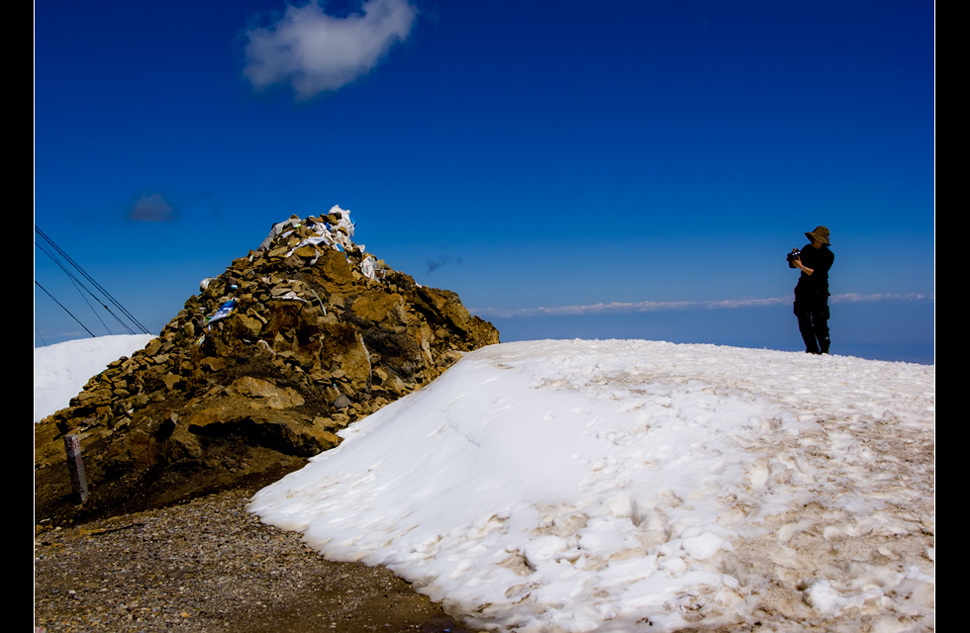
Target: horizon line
{"points": [[656, 306]]}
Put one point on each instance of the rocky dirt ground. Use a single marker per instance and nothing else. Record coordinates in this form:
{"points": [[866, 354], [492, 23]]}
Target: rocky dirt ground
{"points": [[210, 566]]}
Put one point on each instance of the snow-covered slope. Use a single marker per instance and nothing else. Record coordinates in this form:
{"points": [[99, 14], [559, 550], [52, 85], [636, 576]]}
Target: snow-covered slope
{"points": [[641, 486], [62, 370]]}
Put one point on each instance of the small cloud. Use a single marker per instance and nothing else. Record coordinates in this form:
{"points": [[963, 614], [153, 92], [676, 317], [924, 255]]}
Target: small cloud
{"points": [[435, 264], [853, 297], [314, 52], [151, 207]]}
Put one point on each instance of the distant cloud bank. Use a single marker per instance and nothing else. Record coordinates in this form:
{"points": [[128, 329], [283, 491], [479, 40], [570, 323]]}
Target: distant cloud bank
{"points": [[654, 306], [314, 52]]}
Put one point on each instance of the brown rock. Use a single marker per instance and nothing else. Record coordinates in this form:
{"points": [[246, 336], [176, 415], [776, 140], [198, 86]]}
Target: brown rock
{"points": [[269, 394]]}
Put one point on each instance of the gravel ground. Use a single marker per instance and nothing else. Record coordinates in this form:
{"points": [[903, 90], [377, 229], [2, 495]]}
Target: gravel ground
{"points": [[210, 566]]}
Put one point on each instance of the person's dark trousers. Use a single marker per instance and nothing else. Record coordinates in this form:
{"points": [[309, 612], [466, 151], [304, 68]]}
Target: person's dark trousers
{"points": [[813, 323]]}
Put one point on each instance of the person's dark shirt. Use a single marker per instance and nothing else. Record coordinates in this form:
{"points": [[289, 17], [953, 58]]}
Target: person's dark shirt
{"points": [[820, 261]]}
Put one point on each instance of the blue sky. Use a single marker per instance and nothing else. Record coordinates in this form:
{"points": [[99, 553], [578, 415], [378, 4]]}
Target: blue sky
{"points": [[646, 164]]}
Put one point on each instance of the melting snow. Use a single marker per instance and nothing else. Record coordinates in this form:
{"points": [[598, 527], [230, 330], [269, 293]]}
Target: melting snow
{"points": [[574, 486]]}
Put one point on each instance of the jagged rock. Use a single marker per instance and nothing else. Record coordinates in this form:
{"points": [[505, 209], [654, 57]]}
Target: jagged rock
{"points": [[265, 392], [292, 342]]}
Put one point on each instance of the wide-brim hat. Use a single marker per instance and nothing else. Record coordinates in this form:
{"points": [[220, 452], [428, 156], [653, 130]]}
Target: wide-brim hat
{"points": [[820, 233]]}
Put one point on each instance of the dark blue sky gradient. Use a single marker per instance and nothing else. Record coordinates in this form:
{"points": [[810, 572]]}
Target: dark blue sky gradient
{"points": [[525, 154]]}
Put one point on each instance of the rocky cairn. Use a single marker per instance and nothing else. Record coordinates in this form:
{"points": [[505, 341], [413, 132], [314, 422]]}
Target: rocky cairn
{"points": [[256, 373]]}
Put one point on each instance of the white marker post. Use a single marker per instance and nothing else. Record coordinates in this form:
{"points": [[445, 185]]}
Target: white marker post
{"points": [[72, 443]]}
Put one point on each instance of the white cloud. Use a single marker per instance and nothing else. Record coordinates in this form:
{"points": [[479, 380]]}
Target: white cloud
{"points": [[314, 52], [855, 297], [655, 306], [639, 306]]}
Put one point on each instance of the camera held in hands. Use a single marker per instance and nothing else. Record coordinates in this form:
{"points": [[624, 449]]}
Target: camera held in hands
{"points": [[792, 256]]}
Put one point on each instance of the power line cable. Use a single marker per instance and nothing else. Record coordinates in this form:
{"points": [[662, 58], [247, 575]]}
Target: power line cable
{"points": [[78, 285], [93, 282], [65, 309]]}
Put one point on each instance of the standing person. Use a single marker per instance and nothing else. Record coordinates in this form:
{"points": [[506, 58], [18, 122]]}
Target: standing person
{"points": [[812, 291]]}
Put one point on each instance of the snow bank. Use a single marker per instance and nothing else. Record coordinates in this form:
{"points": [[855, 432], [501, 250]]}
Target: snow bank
{"points": [[572, 486], [62, 370]]}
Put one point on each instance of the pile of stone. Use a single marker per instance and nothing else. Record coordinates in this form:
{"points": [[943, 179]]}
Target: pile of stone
{"points": [[293, 342]]}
